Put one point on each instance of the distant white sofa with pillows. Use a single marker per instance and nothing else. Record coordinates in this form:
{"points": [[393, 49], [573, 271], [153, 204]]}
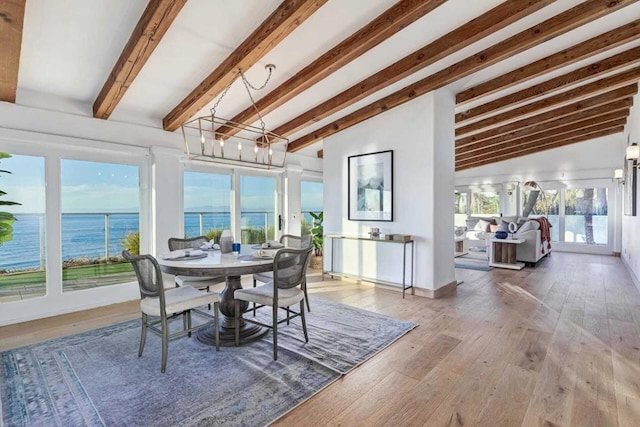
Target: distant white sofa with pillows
{"points": [[481, 230]]}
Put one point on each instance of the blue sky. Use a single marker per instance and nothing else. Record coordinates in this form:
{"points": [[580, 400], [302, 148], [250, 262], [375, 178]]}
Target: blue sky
{"points": [[105, 187]]}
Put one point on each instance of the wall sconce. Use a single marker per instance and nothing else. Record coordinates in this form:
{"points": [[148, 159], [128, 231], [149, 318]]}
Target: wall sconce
{"points": [[633, 151], [619, 175]]}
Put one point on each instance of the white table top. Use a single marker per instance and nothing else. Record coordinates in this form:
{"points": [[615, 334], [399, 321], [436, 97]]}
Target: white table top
{"points": [[514, 241], [216, 264]]}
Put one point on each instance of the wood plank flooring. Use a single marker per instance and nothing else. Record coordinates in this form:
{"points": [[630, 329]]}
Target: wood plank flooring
{"points": [[555, 345]]}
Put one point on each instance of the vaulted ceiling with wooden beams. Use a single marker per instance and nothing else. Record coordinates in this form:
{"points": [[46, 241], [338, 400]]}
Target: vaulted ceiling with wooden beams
{"points": [[529, 75]]}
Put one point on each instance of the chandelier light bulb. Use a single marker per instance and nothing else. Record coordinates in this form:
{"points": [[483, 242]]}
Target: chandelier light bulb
{"points": [[221, 142], [633, 151], [255, 149]]}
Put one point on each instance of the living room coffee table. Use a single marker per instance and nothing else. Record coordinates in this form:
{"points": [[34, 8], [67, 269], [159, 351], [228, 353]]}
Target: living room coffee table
{"points": [[503, 253]]}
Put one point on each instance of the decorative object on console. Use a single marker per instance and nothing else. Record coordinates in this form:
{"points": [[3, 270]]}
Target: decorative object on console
{"points": [[374, 233], [371, 187], [255, 145], [501, 234]]}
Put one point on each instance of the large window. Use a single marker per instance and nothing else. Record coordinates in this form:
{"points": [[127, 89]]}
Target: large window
{"points": [[310, 201], [257, 208], [485, 203], [22, 246], [100, 218], [586, 219], [577, 215], [207, 204]]}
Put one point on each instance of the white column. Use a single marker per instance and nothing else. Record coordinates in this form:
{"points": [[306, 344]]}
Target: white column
{"points": [[292, 200], [442, 165], [167, 201]]}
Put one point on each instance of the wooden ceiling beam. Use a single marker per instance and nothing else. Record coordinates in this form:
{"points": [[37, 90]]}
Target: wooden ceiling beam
{"points": [[594, 46], [474, 30], [286, 18], [559, 126], [11, 22], [393, 20], [611, 64], [320, 154], [541, 147], [152, 26], [579, 15], [531, 126], [557, 134], [614, 85]]}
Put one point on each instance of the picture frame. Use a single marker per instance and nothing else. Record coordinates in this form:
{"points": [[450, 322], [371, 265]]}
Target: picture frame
{"points": [[370, 183], [630, 187]]}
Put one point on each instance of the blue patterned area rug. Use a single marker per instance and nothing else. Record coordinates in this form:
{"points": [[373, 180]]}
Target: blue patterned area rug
{"points": [[96, 378]]}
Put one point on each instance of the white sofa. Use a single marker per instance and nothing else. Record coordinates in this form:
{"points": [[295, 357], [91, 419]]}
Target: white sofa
{"points": [[531, 251]]}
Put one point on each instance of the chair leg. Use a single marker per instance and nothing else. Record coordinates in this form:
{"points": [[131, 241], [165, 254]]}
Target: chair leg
{"points": [[165, 343], [288, 309], [216, 323], [306, 297], [189, 322], [143, 334], [209, 304], [304, 322], [254, 304], [237, 309], [275, 332]]}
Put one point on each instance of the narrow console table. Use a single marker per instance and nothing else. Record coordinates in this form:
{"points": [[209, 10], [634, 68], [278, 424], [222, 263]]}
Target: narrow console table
{"points": [[503, 253], [404, 244]]}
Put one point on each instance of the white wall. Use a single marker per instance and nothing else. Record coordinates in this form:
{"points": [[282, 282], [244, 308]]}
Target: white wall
{"points": [[631, 224], [420, 133]]}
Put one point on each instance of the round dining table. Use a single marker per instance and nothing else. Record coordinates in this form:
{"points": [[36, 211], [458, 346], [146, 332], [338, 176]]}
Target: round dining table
{"points": [[232, 267]]}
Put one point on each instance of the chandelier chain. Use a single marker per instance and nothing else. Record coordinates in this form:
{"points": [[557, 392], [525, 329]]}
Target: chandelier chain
{"points": [[248, 85]]}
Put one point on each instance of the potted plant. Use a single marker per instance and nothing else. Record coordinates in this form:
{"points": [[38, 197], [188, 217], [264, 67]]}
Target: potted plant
{"points": [[317, 233], [6, 218]]}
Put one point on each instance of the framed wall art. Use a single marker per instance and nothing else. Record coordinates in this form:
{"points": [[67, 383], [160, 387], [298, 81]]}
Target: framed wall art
{"points": [[371, 186]]}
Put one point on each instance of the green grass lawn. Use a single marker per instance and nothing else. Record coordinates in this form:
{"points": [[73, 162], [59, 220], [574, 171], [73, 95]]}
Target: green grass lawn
{"points": [[11, 280]]}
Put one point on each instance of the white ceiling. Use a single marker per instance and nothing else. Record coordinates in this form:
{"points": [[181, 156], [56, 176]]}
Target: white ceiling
{"points": [[70, 46]]}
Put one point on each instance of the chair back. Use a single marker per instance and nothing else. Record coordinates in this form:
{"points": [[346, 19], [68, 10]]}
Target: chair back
{"points": [[192, 243], [296, 273], [298, 242], [148, 274]]}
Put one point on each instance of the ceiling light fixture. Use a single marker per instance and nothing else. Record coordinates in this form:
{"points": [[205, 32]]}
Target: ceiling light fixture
{"points": [[270, 149]]}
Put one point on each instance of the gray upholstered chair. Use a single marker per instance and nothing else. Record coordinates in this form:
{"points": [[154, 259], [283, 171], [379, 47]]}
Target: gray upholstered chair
{"points": [[204, 283], [281, 292], [289, 241], [163, 304]]}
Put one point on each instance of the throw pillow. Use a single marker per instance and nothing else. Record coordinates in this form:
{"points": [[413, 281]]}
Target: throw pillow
{"points": [[481, 225], [493, 227]]}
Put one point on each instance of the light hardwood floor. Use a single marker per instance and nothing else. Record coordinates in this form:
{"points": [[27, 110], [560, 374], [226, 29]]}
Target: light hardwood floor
{"points": [[555, 345]]}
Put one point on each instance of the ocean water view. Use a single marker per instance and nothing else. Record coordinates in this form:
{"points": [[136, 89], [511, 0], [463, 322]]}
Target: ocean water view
{"points": [[83, 235]]}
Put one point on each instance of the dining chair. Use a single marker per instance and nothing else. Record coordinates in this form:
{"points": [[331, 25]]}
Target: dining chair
{"points": [[203, 283], [280, 293], [163, 304], [289, 241]]}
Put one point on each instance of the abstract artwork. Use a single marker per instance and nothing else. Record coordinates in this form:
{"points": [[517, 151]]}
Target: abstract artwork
{"points": [[371, 187]]}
